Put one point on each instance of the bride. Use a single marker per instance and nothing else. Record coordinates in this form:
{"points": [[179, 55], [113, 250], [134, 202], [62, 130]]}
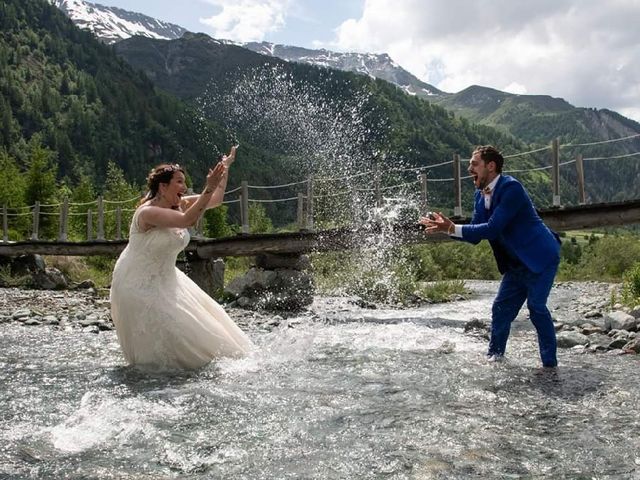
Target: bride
{"points": [[163, 319]]}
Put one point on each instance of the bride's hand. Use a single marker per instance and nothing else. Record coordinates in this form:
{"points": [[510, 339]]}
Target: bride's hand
{"points": [[229, 159], [215, 175]]}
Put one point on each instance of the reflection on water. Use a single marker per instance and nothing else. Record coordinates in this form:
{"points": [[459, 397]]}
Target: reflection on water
{"points": [[355, 394]]}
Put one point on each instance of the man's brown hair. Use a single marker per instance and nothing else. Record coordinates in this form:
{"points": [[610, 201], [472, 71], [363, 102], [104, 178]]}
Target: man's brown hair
{"points": [[489, 153]]}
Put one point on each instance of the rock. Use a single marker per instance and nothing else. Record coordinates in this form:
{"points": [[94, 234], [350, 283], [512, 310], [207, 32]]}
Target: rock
{"points": [[618, 320], [281, 289], [568, 339], [21, 315], [633, 345], [51, 320], [27, 265], [85, 284], [593, 314], [32, 321], [618, 343], [588, 329], [49, 279], [475, 324], [360, 302], [208, 273], [635, 313]]}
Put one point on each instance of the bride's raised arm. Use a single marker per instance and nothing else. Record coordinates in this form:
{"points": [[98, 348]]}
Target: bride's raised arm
{"points": [[218, 195]]}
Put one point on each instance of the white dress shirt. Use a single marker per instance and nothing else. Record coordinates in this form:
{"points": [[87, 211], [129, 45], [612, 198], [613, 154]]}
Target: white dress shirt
{"points": [[487, 204]]}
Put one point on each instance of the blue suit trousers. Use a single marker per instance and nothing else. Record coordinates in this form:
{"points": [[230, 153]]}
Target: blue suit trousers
{"points": [[520, 284]]}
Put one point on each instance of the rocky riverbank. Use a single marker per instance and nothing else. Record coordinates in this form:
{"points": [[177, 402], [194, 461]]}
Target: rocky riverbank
{"points": [[582, 311]]}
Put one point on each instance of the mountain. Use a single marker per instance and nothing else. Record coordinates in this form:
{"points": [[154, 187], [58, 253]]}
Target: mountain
{"points": [[268, 98], [376, 66], [63, 89], [537, 119], [111, 24]]}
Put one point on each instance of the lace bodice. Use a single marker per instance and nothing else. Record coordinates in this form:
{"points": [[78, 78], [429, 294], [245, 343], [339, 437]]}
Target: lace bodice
{"points": [[153, 252]]}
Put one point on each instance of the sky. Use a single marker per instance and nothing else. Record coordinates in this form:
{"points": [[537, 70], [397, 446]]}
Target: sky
{"points": [[585, 51]]}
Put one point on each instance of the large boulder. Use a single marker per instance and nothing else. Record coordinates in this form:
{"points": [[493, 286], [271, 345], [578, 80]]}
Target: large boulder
{"points": [[619, 320], [571, 338], [207, 273], [49, 279], [282, 289], [31, 271]]}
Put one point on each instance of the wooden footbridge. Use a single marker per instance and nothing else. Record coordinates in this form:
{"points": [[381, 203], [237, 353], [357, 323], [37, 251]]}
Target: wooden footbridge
{"points": [[561, 218]]}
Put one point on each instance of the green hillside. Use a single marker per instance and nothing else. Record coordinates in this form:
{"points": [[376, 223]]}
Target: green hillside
{"points": [[404, 130], [537, 119]]}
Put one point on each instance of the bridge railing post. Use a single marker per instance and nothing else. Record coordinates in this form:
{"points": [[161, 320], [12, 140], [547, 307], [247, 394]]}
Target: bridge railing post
{"points": [[582, 198], [100, 232], [300, 213], [89, 225], [354, 205], [310, 203], [423, 194], [118, 222], [555, 171], [36, 221], [378, 192], [457, 186], [5, 224], [64, 220], [244, 206]]}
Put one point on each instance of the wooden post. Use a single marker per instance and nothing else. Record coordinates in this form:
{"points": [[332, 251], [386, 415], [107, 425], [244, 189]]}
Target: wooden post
{"points": [[118, 222], [64, 220], [423, 194], [310, 203], [354, 205], [300, 219], [376, 179], [89, 225], [36, 221], [5, 224], [244, 206], [457, 186], [555, 171], [100, 233], [582, 198]]}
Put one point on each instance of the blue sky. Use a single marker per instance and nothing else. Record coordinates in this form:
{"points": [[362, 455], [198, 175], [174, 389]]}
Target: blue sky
{"points": [[585, 51], [307, 21]]}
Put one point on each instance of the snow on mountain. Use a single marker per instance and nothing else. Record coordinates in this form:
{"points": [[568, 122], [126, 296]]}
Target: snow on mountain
{"points": [[375, 65], [111, 24]]}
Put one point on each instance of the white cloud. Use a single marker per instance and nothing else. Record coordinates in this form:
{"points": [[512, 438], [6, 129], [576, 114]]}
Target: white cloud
{"points": [[583, 51], [247, 20], [516, 88]]}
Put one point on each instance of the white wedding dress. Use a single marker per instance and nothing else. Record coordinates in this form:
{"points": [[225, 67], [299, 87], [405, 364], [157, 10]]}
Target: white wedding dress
{"points": [[164, 321]]}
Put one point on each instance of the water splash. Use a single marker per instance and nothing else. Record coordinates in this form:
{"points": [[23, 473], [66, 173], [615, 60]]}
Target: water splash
{"points": [[330, 130]]}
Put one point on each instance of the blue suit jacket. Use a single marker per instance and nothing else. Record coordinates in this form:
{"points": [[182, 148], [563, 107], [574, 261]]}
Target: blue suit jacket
{"points": [[513, 227]]}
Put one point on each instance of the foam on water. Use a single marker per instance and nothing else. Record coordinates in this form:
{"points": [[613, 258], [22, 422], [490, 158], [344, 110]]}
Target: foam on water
{"points": [[103, 419]]}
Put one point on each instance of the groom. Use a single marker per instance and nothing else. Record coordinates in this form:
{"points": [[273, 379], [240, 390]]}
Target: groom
{"points": [[526, 250]]}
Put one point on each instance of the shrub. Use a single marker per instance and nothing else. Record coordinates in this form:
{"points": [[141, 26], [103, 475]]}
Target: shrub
{"points": [[631, 285]]}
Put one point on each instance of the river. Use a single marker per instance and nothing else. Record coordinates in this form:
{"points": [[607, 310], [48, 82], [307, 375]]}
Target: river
{"points": [[339, 392]]}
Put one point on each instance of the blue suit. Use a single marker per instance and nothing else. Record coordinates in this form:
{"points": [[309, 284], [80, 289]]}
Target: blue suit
{"points": [[527, 253]]}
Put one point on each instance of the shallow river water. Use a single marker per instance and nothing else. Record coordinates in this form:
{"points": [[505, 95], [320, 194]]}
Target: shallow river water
{"points": [[344, 393]]}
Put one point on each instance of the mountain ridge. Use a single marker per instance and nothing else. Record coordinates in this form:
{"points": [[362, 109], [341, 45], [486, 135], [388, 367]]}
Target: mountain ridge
{"points": [[112, 24]]}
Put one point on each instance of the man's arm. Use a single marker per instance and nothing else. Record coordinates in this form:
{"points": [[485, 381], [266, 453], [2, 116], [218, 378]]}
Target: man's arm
{"points": [[512, 200]]}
